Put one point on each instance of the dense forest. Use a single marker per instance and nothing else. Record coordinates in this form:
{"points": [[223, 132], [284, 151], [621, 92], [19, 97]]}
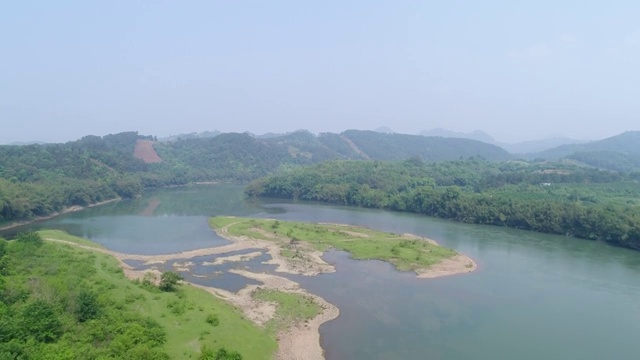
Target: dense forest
{"points": [[556, 198], [36, 180]]}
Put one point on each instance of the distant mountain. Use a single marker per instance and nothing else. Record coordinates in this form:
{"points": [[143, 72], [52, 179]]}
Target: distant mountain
{"points": [[514, 148], [626, 143], [532, 146], [609, 160], [193, 135], [474, 135], [243, 157], [384, 130], [270, 135], [400, 146], [620, 152]]}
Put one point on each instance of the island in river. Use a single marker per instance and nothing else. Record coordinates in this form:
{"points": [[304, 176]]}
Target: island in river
{"points": [[278, 306]]}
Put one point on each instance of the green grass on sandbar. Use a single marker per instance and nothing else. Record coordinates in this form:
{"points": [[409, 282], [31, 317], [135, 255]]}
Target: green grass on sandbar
{"points": [[405, 253], [291, 307]]}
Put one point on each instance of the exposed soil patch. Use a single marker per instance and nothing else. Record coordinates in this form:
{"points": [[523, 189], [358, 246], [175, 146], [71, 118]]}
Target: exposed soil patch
{"points": [[144, 151], [355, 147]]}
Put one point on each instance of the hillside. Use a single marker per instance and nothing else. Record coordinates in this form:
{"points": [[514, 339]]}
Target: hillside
{"points": [[626, 143], [37, 180], [531, 146], [618, 153], [380, 146], [65, 297], [474, 135], [522, 147]]}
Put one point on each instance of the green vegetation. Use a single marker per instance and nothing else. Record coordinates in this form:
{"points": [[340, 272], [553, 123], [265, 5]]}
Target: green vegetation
{"points": [[625, 143], [221, 354], [555, 198], [291, 308], [58, 301], [169, 281], [38, 180], [63, 236], [380, 146], [363, 244]]}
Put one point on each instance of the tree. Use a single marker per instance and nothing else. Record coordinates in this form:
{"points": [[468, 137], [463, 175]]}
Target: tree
{"points": [[40, 321], [87, 306], [169, 280]]}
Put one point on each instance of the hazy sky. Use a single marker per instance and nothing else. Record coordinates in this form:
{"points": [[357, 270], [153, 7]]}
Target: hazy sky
{"points": [[516, 69]]}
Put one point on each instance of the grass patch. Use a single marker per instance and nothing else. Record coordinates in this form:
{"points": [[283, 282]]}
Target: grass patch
{"points": [[222, 221], [403, 252], [57, 273], [291, 307], [288, 253], [61, 235]]}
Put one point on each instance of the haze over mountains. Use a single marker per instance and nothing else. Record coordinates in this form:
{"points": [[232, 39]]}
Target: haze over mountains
{"points": [[619, 153], [521, 147]]}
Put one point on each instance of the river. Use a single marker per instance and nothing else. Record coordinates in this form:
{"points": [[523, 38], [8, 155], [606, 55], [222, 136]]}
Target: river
{"points": [[534, 296]]}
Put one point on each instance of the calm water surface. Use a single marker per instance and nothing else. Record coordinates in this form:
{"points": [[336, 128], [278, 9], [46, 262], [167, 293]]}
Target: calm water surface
{"points": [[534, 296]]}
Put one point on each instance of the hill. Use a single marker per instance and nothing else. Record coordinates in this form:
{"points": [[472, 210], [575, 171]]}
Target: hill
{"points": [[523, 147], [193, 135], [531, 146], [625, 143], [618, 153], [474, 135], [384, 130], [38, 180], [400, 146]]}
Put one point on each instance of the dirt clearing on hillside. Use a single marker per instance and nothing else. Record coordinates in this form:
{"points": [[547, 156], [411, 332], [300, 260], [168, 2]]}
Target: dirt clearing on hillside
{"points": [[144, 151]]}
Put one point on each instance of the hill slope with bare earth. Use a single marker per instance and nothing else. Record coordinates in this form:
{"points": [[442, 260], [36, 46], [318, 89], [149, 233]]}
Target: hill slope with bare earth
{"points": [[144, 151]]}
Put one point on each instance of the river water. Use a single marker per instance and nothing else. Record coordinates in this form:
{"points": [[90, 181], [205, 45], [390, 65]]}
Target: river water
{"points": [[534, 296]]}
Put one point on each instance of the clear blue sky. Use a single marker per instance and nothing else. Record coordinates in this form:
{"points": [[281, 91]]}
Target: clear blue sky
{"points": [[516, 69]]}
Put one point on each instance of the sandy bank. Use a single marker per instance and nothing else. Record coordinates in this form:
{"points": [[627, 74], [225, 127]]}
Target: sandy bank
{"points": [[301, 341], [458, 264]]}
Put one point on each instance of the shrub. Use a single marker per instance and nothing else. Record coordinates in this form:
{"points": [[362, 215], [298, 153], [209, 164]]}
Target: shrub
{"points": [[87, 306], [213, 319], [40, 321], [169, 280], [30, 238], [221, 354]]}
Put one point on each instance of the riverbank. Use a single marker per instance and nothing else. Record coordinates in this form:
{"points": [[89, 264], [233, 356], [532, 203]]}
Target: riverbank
{"points": [[298, 340], [293, 249], [126, 320], [67, 210]]}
